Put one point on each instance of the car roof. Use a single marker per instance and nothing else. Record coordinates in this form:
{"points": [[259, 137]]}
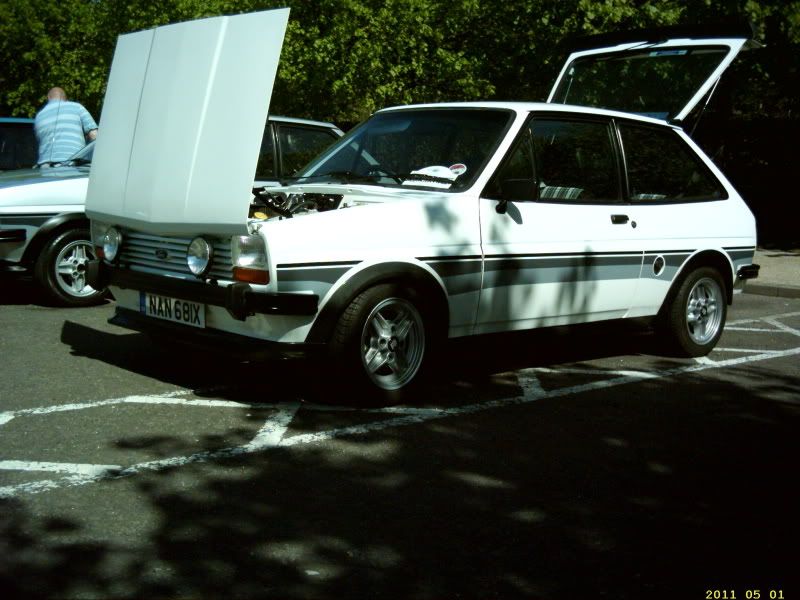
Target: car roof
{"points": [[533, 106], [302, 121], [15, 120]]}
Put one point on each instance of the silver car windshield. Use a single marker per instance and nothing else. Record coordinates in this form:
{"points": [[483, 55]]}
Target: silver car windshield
{"points": [[444, 148]]}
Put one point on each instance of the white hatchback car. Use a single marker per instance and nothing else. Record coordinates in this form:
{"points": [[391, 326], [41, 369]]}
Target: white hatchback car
{"points": [[425, 222]]}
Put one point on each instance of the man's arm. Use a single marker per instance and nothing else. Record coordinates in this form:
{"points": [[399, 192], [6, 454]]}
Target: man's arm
{"points": [[89, 125]]}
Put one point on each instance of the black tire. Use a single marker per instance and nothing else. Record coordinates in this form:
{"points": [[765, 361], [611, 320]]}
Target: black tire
{"points": [[381, 347], [61, 269], [695, 318]]}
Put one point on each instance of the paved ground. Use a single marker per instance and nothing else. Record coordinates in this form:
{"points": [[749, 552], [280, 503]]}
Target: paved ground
{"points": [[553, 465]]}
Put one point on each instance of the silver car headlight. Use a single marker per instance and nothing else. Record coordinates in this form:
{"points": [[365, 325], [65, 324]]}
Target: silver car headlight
{"points": [[112, 241], [199, 255]]}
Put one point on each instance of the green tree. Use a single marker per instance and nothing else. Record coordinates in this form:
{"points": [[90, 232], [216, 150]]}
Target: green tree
{"points": [[343, 59]]}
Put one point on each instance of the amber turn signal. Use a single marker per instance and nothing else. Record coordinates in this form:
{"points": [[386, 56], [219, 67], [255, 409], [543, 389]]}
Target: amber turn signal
{"points": [[251, 275]]}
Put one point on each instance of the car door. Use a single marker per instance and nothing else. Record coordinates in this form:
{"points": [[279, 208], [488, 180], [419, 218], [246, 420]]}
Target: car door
{"points": [[558, 244]]}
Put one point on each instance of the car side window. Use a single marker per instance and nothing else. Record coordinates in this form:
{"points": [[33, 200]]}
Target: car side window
{"points": [[300, 144], [18, 147], [265, 168], [515, 180], [576, 161], [663, 168]]}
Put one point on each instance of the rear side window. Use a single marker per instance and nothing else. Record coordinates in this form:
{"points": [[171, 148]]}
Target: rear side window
{"points": [[663, 168]]}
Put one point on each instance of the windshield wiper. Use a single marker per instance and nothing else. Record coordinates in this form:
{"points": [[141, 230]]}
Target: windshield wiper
{"points": [[423, 177], [78, 162], [339, 176]]}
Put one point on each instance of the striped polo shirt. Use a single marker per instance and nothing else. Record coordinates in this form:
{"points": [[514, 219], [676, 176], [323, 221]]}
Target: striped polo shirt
{"points": [[61, 128]]}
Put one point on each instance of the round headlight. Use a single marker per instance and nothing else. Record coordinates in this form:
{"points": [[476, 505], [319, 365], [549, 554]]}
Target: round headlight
{"points": [[198, 257], [112, 241]]}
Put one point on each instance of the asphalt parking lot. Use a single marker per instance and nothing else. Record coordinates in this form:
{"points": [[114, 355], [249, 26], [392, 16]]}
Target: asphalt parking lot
{"points": [[552, 465]]}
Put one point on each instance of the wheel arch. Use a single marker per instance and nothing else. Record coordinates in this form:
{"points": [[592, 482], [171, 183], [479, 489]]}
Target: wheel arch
{"points": [[413, 275], [48, 230], [705, 258]]}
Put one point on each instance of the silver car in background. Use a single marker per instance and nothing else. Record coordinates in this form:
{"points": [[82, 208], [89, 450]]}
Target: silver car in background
{"points": [[44, 231]]}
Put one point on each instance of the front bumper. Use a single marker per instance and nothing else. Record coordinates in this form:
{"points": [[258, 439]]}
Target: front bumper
{"points": [[239, 298], [221, 342]]}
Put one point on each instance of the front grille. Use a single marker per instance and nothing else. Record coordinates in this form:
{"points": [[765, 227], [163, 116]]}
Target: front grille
{"points": [[166, 255]]}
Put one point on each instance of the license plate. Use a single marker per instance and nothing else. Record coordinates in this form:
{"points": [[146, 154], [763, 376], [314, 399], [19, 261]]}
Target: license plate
{"points": [[172, 309]]}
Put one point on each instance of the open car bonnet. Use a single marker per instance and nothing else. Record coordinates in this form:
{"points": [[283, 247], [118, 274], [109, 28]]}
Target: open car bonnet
{"points": [[662, 73], [182, 123]]}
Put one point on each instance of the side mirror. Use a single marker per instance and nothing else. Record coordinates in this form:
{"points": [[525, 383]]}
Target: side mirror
{"points": [[502, 207]]}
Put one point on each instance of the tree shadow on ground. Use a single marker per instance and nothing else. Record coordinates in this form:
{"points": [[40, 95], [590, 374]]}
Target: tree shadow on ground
{"points": [[654, 489]]}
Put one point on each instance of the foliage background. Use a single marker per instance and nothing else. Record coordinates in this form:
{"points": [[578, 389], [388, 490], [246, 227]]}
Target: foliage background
{"points": [[344, 59]]}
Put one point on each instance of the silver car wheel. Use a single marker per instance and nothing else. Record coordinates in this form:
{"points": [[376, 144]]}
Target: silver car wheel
{"points": [[70, 268], [392, 343], [703, 314]]}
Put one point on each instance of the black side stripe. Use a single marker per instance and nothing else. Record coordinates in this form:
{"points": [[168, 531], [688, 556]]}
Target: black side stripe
{"points": [[347, 263]]}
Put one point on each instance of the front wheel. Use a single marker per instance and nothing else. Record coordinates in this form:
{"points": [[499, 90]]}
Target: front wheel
{"points": [[61, 269], [696, 317], [381, 345]]}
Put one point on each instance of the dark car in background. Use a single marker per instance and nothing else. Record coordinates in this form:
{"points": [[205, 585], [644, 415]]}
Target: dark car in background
{"points": [[18, 147]]}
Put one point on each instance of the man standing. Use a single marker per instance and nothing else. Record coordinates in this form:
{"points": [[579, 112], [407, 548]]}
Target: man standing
{"points": [[62, 128]]}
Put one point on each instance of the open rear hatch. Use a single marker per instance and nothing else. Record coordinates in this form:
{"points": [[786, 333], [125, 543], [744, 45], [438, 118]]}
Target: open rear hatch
{"points": [[182, 122], [662, 73]]}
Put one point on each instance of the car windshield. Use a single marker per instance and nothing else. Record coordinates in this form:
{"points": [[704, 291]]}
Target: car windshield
{"points": [[445, 148], [656, 83]]}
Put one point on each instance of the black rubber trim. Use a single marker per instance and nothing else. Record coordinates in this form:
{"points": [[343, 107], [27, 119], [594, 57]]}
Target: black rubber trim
{"points": [[238, 298], [748, 272], [13, 235], [730, 28], [230, 344], [408, 274], [45, 233]]}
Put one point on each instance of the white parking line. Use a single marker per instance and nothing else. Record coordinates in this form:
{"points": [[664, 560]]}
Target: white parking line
{"points": [[177, 397], [759, 319], [54, 467], [774, 322], [273, 432], [752, 329], [744, 350], [704, 360]]}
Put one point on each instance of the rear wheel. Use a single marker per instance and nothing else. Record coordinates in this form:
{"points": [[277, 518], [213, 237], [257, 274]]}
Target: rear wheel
{"points": [[381, 345], [61, 269], [696, 317]]}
